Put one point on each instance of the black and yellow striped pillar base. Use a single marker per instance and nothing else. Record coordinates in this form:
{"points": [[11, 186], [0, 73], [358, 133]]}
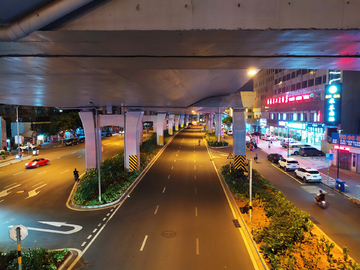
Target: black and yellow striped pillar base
{"points": [[240, 162], [133, 163]]}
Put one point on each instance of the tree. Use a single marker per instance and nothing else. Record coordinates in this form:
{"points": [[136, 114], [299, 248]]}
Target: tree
{"points": [[227, 121], [65, 121]]}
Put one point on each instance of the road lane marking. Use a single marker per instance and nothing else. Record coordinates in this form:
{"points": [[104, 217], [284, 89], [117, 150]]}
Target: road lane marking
{"points": [[75, 229], [157, 208], [42, 172], [104, 219], [175, 160], [58, 157], [164, 190], [196, 212], [99, 224], [195, 177], [81, 156], [37, 184], [169, 176], [12, 185], [64, 171], [197, 246], [95, 230], [172, 167], [74, 152], [33, 192], [89, 236], [108, 214], [176, 154], [18, 173], [83, 244], [143, 243]]}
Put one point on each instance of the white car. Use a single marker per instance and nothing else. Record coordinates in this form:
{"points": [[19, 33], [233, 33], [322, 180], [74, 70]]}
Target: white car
{"points": [[308, 174], [268, 137], [289, 164], [27, 147]]}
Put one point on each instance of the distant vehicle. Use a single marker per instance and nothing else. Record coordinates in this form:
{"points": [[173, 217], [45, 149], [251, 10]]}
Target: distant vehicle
{"points": [[294, 149], [71, 141], [285, 142], [289, 164], [229, 132], [106, 134], [268, 137], [274, 157], [310, 151], [35, 163], [28, 147], [308, 174], [81, 139], [188, 127]]}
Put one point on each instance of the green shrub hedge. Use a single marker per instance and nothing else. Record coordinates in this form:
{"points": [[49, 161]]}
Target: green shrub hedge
{"points": [[212, 140], [33, 259]]}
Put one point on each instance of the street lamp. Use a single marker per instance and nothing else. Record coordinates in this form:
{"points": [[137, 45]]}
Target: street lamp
{"points": [[338, 158], [17, 123], [97, 148], [288, 142]]}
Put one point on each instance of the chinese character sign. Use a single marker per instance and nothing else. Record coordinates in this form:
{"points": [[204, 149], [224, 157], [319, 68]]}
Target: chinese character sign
{"points": [[346, 139], [332, 110]]}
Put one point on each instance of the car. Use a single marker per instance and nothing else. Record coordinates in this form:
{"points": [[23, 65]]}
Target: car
{"points": [[274, 157], [285, 142], [308, 174], [294, 149], [37, 162], [71, 141], [81, 139], [229, 132], [310, 151], [268, 137], [27, 146], [289, 164], [106, 134]]}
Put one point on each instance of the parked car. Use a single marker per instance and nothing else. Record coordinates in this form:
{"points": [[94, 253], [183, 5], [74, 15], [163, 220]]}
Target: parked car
{"points": [[294, 149], [81, 139], [229, 132], [289, 164], [106, 134], [308, 174], [311, 151], [274, 157], [284, 142], [28, 146], [35, 163], [71, 141], [268, 137]]}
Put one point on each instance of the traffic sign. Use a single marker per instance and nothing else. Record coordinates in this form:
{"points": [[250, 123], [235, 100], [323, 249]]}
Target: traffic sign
{"points": [[230, 156], [23, 232], [329, 156]]}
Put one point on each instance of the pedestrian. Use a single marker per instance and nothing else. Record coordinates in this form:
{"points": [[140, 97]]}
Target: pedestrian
{"points": [[199, 142], [269, 145], [256, 158], [76, 175]]}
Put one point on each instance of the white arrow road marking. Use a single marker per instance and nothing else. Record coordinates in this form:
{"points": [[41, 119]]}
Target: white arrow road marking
{"points": [[75, 229], [5, 192], [33, 192]]}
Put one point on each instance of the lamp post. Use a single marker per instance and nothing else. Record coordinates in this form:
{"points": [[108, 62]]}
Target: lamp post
{"points": [[17, 124], [338, 156], [288, 142]]}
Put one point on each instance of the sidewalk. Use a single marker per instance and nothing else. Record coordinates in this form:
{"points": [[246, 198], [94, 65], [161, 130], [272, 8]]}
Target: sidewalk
{"points": [[352, 179]]}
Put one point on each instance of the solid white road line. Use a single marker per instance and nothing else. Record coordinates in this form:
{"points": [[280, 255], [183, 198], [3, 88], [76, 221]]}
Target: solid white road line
{"points": [[157, 208], [197, 246], [143, 243]]}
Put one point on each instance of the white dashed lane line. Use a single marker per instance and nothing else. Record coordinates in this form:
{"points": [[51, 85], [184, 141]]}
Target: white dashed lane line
{"points": [[42, 172], [197, 246], [195, 191], [18, 173], [89, 236], [64, 171], [94, 231], [143, 243], [83, 244], [157, 208], [172, 167], [164, 190], [196, 212], [169, 177], [79, 156]]}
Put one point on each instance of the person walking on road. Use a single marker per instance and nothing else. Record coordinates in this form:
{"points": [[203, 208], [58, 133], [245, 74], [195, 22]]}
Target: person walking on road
{"points": [[269, 145], [199, 142], [256, 158], [76, 175]]}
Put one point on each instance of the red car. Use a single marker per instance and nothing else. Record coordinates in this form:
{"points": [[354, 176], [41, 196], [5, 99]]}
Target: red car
{"points": [[35, 163]]}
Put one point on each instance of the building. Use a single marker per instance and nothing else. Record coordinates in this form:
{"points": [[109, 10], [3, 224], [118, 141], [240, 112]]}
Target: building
{"points": [[293, 104]]}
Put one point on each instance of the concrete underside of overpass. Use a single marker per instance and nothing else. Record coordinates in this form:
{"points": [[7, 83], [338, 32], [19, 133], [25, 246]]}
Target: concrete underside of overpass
{"points": [[172, 55]]}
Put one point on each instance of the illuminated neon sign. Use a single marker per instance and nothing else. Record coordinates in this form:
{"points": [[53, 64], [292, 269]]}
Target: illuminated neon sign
{"points": [[342, 148], [332, 109], [286, 99]]}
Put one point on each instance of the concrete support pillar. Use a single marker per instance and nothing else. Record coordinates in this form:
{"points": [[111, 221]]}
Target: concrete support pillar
{"points": [[186, 120], [160, 120], [133, 125], [239, 132], [141, 133], [207, 121], [88, 121], [218, 125], [177, 122], [171, 124], [211, 120], [109, 109], [182, 118]]}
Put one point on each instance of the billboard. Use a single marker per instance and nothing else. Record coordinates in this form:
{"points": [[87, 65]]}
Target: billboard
{"points": [[332, 109]]}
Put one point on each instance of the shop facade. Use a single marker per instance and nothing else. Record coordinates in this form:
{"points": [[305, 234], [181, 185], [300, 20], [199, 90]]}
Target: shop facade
{"points": [[348, 151]]}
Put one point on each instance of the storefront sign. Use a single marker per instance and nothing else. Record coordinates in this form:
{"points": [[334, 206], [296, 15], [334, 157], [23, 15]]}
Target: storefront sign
{"points": [[293, 125], [332, 109], [288, 99], [263, 122], [346, 139]]}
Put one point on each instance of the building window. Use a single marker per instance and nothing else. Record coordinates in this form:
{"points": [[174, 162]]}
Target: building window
{"points": [[301, 116], [288, 76], [305, 117], [324, 79], [294, 116], [279, 116], [293, 87], [318, 80], [284, 78], [304, 71], [284, 116], [304, 84], [315, 117], [298, 72], [311, 82], [276, 71], [298, 86], [293, 75]]}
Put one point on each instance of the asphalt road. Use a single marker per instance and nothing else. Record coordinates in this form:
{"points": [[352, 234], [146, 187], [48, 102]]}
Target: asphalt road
{"points": [[176, 218], [340, 221], [31, 196]]}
